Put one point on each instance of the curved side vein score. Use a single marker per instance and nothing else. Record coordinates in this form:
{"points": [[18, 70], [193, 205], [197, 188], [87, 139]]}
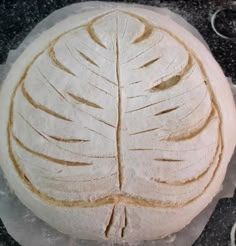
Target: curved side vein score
{"points": [[56, 62], [49, 158], [39, 106], [84, 101], [192, 133], [166, 84], [92, 33], [148, 29]]}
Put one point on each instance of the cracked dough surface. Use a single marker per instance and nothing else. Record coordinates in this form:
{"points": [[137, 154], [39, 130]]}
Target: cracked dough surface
{"points": [[113, 122]]}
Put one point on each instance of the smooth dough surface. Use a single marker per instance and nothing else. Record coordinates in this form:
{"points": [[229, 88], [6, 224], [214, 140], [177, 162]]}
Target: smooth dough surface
{"points": [[116, 125]]}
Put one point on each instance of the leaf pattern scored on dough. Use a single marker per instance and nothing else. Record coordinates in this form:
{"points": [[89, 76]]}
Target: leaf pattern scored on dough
{"points": [[115, 111]]}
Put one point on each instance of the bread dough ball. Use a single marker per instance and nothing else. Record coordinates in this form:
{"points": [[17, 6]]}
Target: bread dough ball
{"points": [[116, 125]]}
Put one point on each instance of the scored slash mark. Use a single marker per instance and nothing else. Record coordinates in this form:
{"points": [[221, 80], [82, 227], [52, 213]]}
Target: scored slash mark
{"points": [[116, 215], [46, 79], [56, 62], [101, 90], [88, 59], [136, 82], [168, 83], [106, 123], [148, 29], [144, 131], [110, 222], [126, 24], [167, 160], [171, 150], [49, 158], [146, 106], [39, 106], [68, 140], [138, 96], [27, 122], [100, 134], [149, 63], [125, 224], [119, 109], [166, 111], [84, 101], [198, 105]]}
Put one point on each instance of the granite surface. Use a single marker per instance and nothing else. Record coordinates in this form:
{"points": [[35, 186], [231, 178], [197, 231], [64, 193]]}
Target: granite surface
{"points": [[18, 18]]}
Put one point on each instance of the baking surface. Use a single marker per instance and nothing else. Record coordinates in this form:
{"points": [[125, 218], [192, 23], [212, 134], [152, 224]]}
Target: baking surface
{"points": [[18, 18]]}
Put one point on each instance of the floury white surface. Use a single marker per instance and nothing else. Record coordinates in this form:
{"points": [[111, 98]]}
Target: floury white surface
{"points": [[118, 210]]}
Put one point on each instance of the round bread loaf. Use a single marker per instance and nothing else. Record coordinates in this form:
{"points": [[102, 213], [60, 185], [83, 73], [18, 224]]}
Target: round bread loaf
{"points": [[116, 124]]}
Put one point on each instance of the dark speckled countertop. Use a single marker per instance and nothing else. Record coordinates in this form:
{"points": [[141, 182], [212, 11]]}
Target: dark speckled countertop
{"points": [[18, 18]]}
